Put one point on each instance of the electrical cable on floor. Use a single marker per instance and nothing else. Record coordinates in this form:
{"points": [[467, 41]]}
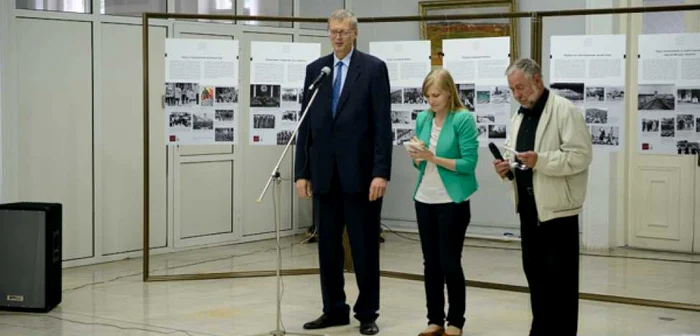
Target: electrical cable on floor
{"points": [[109, 325], [190, 264], [390, 230], [313, 234]]}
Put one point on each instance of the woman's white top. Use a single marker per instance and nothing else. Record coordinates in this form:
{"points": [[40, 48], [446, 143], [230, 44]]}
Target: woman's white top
{"points": [[431, 189]]}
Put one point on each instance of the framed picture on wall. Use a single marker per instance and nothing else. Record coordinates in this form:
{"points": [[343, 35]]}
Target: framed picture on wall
{"points": [[436, 31]]}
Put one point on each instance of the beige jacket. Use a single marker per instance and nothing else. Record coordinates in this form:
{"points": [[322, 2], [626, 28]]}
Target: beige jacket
{"points": [[564, 152]]}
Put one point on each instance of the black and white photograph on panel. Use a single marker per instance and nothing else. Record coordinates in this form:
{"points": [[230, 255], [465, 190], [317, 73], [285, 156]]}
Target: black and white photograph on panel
{"points": [[223, 115], [483, 97], [497, 131], [615, 94], [202, 121], [500, 95], [605, 135], [396, 96], [180, 121], [223, 134], [483, 131], [186, 94], [685, 147], [485, 118], [650, 125], [656, 97], [400, 117], [595, 94], [415, 113], [263, 121], [264, 95], [413, 96], [466, 95], [688, 97], [207, 96], [570, 91], [289, 116], [290, 95], [170, 94], [685, 123], [668, 127], [596, 116], [283, 137], [404, 134], [226, 95]]}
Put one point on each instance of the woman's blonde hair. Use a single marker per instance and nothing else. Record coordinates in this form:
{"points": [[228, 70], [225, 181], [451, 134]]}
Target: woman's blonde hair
{"points": [[441, 79]]}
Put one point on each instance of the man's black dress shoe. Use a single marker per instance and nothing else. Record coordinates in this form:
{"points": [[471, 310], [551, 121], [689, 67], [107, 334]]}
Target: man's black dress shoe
{"points": [[369, 328], [325, 321]]}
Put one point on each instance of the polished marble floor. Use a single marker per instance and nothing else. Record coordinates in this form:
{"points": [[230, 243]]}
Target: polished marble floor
{"points": [[111, 299]]}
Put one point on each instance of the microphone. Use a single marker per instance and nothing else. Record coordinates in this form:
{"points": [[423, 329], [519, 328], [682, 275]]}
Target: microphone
{"points": [[324, 72], [497, 155]]}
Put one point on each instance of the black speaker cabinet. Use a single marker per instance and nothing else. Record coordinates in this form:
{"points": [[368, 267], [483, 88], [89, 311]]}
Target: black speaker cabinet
{"points": [[30, 256]]}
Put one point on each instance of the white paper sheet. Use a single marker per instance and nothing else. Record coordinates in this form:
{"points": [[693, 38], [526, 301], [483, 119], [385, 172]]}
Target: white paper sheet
{"points": [[408, 63], [201, 92], [589, 70], [478, 67], [668, 100], [277, 71]]}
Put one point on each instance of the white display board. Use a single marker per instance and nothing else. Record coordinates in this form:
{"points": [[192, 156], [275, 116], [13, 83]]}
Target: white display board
{"points": [[408, 63], [201, 92], [277, 71], [589, 70], [478, 67], [668, 100]]}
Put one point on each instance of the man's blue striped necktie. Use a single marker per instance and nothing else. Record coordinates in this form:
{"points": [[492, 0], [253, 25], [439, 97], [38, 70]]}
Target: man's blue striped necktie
{"points": [[336, 86]]}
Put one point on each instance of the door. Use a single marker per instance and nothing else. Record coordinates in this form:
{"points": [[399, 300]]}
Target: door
{"points": [[206, 207], [664, 191]]}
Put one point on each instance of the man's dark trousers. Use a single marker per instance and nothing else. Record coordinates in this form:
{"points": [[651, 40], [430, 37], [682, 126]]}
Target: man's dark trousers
{"points": [[336, 209], [550, 253]]}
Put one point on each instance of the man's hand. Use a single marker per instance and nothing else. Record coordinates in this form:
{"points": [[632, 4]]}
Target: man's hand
{"points": [[377, 188], [502, 167], [529, 159], [304, 188]]}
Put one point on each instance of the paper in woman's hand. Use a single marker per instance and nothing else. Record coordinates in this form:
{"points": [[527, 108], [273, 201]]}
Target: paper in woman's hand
{"points": [[413, 147]]}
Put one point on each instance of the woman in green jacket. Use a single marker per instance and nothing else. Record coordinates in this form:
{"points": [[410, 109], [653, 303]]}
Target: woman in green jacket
{"points": [[445, 151]]}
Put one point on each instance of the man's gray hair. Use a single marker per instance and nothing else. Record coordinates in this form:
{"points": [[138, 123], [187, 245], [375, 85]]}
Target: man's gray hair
{"points": [[527, 65], [343, 14]]}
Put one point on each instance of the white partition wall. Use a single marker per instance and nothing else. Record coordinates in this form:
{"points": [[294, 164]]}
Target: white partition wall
{"points": [[54, 124], [119, 131], [206, 178]]}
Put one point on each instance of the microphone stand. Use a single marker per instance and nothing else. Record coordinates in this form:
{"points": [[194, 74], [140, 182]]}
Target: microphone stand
{"points": [[276, 177]]}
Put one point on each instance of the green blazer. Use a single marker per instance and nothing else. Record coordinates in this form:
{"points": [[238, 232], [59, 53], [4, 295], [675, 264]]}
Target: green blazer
{"points": [[457, 140]]}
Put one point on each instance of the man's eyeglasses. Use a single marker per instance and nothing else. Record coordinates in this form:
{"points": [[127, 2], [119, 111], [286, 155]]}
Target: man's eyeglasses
{"points": [[341, 32]]}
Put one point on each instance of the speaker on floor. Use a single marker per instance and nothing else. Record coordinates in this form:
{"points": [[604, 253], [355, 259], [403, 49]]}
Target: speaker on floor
{"points": [[30, 256]]}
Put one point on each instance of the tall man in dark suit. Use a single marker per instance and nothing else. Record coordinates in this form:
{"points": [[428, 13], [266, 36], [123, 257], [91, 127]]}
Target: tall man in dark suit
{"points": [[344, 160]]}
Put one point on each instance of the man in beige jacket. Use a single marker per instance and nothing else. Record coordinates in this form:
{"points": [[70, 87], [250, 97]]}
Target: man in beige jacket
{"points": [[553, 151]]}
